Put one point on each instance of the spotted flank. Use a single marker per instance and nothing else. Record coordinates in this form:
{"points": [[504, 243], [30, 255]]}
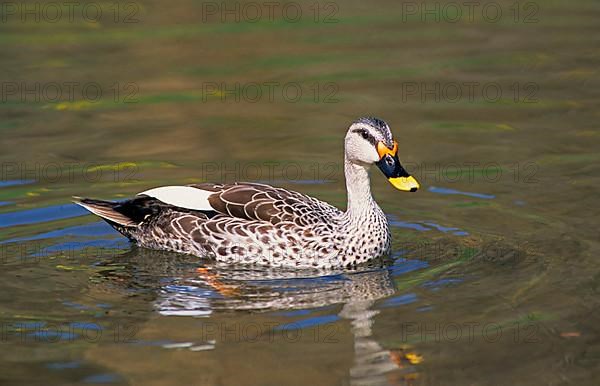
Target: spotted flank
{"points": [[252, 223]]}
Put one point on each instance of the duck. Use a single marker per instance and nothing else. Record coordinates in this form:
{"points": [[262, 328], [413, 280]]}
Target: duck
{"points": [[258, 224]]}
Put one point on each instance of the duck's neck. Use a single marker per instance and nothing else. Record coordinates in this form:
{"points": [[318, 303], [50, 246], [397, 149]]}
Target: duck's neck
{"points": [[358, 186]]}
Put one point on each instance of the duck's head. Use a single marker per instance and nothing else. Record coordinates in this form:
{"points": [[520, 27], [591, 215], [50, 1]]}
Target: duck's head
{"points": [[369, 141]]}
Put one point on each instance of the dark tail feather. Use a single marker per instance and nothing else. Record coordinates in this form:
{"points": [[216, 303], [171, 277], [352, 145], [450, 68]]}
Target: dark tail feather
{"points": [[106, 210]]}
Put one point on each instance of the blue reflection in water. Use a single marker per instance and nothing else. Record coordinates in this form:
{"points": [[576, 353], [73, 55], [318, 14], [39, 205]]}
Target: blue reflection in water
{"points": [[95, 229], [52, 335], [399, 300], [452, 230], [86, 326], [102, 378], [435, 189], [402, 266], [30, 325], [393, 221], [77, 246], [292, 314], [424, 226], [309, 322], [5, 184], [38, 215], [435, 285], [63, 365]]}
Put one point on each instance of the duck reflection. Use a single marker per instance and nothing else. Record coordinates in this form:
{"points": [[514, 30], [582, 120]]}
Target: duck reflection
{"points": [[183, 286]]}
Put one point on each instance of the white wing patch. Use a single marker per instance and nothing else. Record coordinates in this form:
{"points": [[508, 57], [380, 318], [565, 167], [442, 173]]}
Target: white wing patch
{"points": [[181, 196]]}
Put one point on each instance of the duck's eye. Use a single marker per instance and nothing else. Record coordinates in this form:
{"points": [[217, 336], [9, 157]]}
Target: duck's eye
{"points": [[364, 134]]}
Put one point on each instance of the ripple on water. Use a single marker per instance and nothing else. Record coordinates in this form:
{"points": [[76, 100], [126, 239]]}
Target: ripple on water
{"points": [[425, 226], [200, 294], [95, 229], [102, 378], [399, 300], [437, 284], [39, 215], [187, 293], [73, 246], [63, 365], [308, 322], [402, 266], [8, 183], [439, 190]]}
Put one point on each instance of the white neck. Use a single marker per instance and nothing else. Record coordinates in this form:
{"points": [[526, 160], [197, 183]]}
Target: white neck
{"points": [[363, 223], [358, 186]]}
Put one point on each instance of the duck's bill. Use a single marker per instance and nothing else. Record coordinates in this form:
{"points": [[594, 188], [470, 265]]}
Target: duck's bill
{"points": [[406, 184], [392, 168]]}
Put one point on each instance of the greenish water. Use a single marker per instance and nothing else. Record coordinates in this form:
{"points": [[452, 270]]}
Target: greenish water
{"points": [[494, 276]]}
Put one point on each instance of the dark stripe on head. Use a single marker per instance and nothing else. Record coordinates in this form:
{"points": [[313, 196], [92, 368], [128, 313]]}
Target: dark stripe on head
{"points": [[379, 125], [369, 138]]}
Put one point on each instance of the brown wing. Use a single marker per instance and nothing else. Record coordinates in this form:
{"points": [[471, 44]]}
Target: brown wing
{"points": [[252, 201]]}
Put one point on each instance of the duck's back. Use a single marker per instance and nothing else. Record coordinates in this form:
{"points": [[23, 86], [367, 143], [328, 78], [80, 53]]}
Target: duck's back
{"points": [[241, 222]]}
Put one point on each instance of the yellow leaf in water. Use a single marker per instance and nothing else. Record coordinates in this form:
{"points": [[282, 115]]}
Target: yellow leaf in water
{"points": [[582, 73], [114, 167], [587, 133], [80, 105], [504, 126], [69, 268], [413, 358]]}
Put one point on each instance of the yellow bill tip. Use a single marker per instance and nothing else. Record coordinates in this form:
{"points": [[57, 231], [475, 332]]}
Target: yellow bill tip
{"points": [[406, 184]]}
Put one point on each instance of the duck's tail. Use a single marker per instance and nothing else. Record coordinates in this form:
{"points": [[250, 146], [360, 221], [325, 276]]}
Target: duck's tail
{"points": [[109, 211]]}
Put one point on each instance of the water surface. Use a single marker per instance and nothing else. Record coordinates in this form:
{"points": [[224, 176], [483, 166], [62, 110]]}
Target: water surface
{"points": [[493, 278]]}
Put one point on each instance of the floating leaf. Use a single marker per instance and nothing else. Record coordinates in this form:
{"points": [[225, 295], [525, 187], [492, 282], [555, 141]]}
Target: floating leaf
{"points": [[414, 358], [73, 106]]}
